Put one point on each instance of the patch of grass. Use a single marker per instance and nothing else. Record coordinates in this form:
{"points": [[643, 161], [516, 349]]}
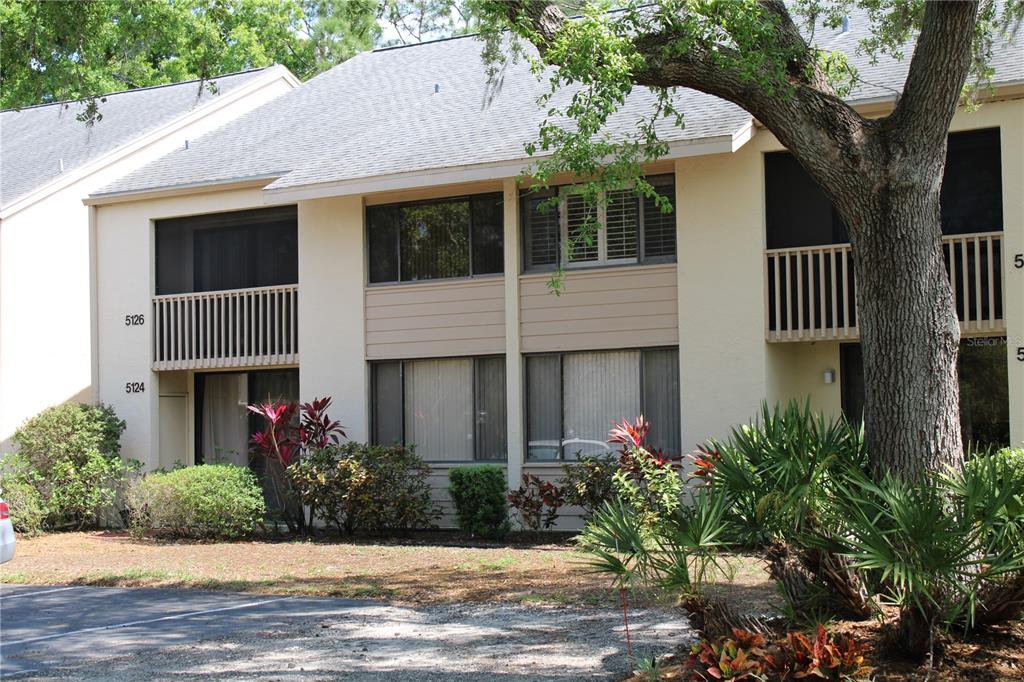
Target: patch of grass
{"points": [[16, 577]]}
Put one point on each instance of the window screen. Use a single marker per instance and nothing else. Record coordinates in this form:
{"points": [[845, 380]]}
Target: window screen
{"points": [[622, 225], [450, 409], [540, 229], [580, 217], [387, 402], [439, 408], [543, 407], [436, 239], [660, 228], [224, 251], [489, 396], [573, 399]]}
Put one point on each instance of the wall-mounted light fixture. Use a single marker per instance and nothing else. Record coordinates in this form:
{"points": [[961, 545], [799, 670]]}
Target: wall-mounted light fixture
{"points": [[830, 376]]}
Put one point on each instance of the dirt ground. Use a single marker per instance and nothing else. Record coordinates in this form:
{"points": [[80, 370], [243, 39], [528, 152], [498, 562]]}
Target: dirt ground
{"points": [[411, 572]]}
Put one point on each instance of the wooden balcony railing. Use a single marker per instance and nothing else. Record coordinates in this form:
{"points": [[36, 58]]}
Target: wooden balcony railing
{"points": [[218, 329], [810, 293]]}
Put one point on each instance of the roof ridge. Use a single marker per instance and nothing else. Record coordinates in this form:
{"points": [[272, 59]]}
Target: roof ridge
{"points": [[145, 87], [388, 48]]}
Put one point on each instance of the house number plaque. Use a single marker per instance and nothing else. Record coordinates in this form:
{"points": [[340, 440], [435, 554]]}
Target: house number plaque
{"points": [[134, 320], [134, 387]]}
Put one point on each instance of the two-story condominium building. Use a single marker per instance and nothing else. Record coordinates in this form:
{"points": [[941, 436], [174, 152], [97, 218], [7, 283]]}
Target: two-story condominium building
{"points": [[50, 160], [365, 237]]}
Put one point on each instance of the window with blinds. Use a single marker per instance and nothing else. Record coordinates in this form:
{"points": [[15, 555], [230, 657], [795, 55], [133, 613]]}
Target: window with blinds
{"points": [[450, 409], [572, 400], [437, 239], [624, 228]]}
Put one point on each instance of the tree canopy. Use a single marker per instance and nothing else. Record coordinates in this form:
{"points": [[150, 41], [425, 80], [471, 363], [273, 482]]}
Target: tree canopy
{"points": [[66, 51], [883, 174]]}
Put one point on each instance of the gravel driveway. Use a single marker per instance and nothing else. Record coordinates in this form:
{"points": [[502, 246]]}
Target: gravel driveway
{"points": [[125, 634]]}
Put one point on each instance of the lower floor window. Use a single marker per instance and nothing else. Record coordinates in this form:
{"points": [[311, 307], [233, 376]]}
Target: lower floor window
{"points": [[450, 409], [223, 424], [984, 389], [574, 398]]}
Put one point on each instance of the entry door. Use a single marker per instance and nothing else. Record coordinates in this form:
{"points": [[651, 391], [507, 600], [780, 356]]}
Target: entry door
{"points": [[173, 430]]}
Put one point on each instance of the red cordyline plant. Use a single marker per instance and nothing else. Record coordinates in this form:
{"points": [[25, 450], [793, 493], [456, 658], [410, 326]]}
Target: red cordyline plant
{"points": [[284, 440]]}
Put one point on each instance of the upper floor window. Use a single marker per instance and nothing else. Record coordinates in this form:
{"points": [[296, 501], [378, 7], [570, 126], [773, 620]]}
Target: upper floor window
{"points": [[439, 239], [223, 251], [632, 229], [798, 213]]}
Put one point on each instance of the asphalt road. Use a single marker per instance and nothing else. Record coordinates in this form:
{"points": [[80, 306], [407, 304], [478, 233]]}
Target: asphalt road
{"points": [[121, 634]]}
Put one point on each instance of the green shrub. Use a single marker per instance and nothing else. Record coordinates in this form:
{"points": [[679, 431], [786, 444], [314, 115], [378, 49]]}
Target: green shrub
{"points": [[70, 454], [587, 482], [73, 492], [779, 471], [206, 501], [68, 432], [360, 487], [27, 512], [479, 496], [536, 502]]}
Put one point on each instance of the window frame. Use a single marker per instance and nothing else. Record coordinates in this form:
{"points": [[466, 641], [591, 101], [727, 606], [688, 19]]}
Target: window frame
{"points": [[372, 395], [563, 191], [467, 198], [561, 459]]}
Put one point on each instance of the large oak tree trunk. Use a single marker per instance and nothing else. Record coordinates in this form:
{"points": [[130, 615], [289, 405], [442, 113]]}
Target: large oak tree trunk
{"points": [[908, 326]]}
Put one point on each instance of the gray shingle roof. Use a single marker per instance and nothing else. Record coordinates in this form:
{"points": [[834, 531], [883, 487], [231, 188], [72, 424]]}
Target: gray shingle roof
{"points": [[421, 108], [34, 140]]}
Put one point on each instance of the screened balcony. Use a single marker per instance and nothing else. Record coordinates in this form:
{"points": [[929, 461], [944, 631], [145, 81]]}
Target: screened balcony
{"points": [[810, 288], [226, 291]]}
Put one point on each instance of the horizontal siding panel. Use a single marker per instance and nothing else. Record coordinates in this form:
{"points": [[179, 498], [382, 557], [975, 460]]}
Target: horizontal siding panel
{"points": [[601, 309], [436, 333], [595, 311], [435, 349], [602, 279], [453, 320], [610, 297], [631, 338], [482, 305], [432, 292], [435, 319]]}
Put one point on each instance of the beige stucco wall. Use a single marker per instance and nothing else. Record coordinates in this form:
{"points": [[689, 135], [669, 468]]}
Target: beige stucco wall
{"points": [[723, 358], [125, 281], [332, 351], [45, 340], [796, 371]]}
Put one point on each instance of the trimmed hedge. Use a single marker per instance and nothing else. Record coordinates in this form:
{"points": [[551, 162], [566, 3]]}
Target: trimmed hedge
{"points": [[207, 501], [479, 496]]}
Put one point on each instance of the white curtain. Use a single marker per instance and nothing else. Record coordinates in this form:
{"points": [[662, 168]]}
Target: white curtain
{"points": [[439, 408], [599, 389], [225, 419]]}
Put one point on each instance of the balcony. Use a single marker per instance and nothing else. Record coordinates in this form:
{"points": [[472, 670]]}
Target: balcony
{"points": [[254, 327], [810, 292]]}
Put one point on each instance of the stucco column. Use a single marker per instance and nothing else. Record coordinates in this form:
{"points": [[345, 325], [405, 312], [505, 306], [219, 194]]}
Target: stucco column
{"points": [[720, 245], [125, 282], [513, 354], [1012, 152], [332, 339]]}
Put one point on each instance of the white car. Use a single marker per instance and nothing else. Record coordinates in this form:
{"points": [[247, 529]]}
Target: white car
{"points": [[6, 534]]}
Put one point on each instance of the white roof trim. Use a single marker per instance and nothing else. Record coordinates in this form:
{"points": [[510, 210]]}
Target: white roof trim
{"points": [[69, 178], [724, 144]]}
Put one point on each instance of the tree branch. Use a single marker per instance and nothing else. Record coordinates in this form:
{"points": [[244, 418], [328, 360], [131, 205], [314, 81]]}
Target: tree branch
{"points": [[937, 73]]}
